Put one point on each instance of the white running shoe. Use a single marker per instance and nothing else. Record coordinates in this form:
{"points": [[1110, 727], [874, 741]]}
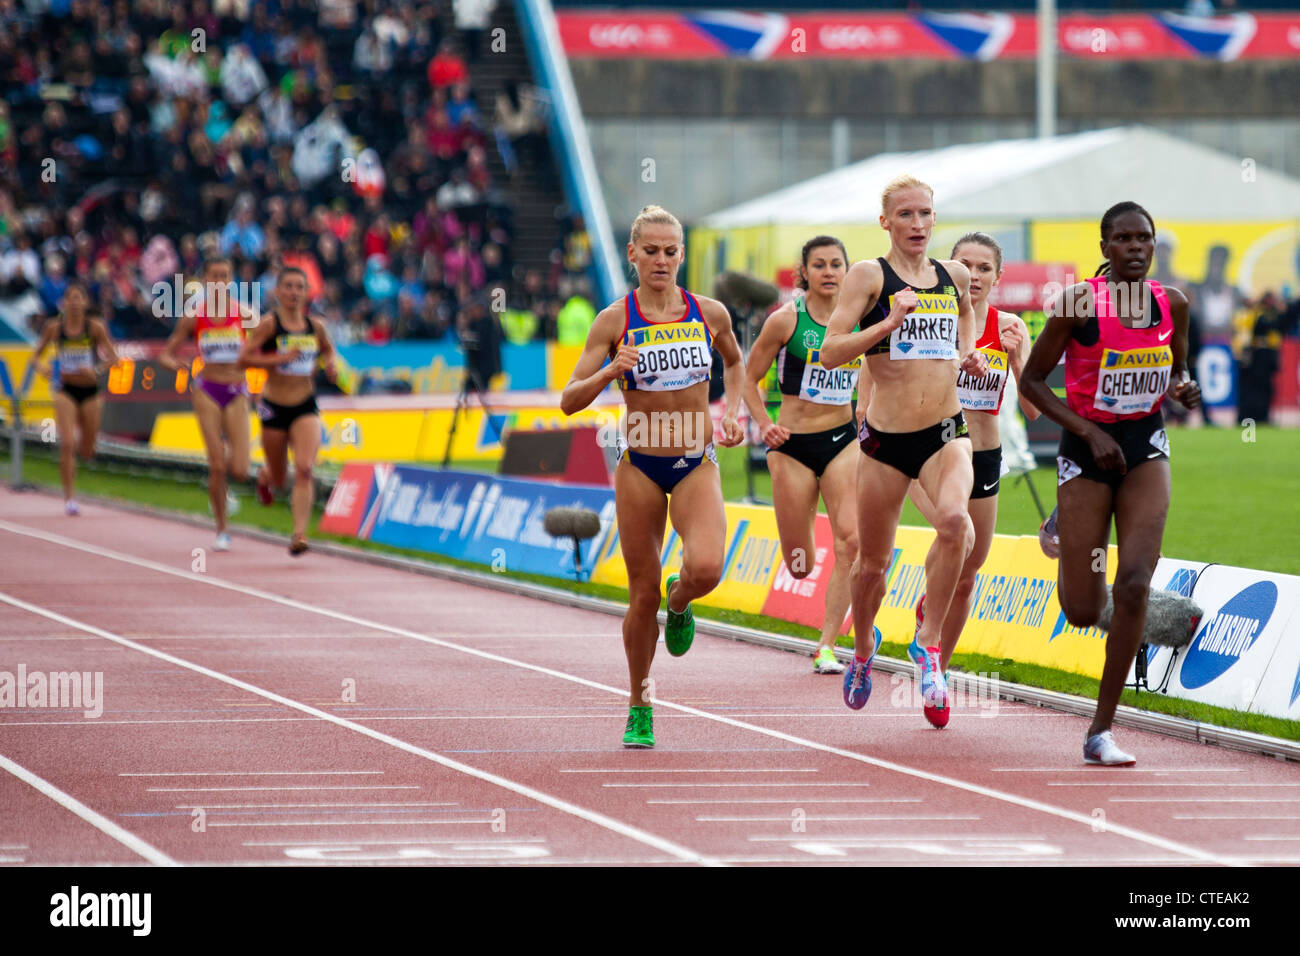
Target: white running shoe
{"points": [[1101, 749], [70, 507], [223, 542], [1048, 538], [232, 504]]}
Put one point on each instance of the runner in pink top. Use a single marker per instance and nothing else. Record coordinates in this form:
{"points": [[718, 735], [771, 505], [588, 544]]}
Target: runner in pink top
{"points": [[1125, 343]]}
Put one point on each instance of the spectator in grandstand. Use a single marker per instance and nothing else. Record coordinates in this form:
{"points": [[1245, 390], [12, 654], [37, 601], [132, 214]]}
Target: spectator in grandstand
{"points": [[447, 67], [473, 17], [241, 233]]}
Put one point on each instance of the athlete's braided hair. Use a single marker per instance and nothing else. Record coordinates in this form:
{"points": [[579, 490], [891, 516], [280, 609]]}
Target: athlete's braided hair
{"points": [[801, 275], [1108, 221]]}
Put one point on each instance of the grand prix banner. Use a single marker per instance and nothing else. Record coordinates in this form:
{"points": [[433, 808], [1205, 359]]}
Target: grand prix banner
{"points": [[976, 36]]}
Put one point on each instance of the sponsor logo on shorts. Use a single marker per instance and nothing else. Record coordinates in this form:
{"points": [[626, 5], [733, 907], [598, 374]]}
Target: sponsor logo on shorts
{"points": [[1066, 469]]}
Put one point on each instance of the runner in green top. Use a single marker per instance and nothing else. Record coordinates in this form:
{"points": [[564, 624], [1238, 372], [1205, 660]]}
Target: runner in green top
{"points": [[807, 446]]}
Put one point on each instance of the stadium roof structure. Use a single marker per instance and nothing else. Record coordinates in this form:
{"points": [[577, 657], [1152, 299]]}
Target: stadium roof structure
{"points": [[1064, 177]]}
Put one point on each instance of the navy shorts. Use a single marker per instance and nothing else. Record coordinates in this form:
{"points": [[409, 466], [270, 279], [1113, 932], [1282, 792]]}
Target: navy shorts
{"points": [[667, 471]]}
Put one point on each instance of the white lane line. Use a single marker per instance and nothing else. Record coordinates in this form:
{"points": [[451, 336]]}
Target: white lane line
{"points": [[1013, 799], [264, 789], [746, 786], [297, 806], [1202, 800], [476, 841], [788, 801], [684, 770], [353, 823], [256, 773], [523, 790], [1216, 783], [1246, 816], [96, 820], [786, 819], [1126, 770], [869, 841], [1271, 839]]}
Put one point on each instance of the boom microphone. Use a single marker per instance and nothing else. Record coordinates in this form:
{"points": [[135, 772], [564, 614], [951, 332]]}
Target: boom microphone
{"points": [[738, 290], [1171, 618], [576, 523]]}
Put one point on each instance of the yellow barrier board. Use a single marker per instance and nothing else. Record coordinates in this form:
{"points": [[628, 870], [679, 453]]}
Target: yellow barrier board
{"points": [[751, 555], [347, 436]]}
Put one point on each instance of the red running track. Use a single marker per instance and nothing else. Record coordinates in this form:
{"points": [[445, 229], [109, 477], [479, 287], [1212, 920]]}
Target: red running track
{"points": [[266, 710]]}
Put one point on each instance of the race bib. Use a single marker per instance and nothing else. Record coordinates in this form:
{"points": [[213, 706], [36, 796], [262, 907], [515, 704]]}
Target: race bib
{"points": [[929, 331], [304, 342], [672, 356], [1133, 381], [220, 346], [828, 386], [984, 394], [75, 359]]}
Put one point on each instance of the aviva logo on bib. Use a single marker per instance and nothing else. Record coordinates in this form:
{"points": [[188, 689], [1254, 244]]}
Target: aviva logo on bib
{"points": [[669, 334], [1138, 358], [930, 303], [1229, 634]]}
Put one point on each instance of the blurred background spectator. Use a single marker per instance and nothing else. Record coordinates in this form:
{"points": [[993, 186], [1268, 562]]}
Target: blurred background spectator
{"points": [[138, 137]]}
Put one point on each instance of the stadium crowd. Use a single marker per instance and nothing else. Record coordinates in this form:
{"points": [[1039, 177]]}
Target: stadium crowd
{"points": [[138, 137]]}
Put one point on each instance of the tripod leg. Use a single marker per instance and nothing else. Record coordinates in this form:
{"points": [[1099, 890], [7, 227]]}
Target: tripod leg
{"points": [[451, 434]]}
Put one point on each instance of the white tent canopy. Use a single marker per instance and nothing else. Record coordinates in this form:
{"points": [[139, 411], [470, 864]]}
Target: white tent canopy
{"points": [[1064, 177]]}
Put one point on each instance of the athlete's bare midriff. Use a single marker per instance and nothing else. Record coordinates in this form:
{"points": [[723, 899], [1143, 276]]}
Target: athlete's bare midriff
{"points": [[221, 373], [802, 417], [911, 395], [669, 423]]}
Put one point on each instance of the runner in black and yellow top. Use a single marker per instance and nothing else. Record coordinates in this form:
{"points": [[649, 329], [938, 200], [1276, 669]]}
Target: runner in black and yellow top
{"points": [[1004, 340], [912, 317], [810, 448], [657, 343], [80, 341], [288, 344]]}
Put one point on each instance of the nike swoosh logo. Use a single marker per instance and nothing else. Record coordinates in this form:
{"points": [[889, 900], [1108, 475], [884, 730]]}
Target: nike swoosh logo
{"points": [[837, 438], [1155, 454], [1165, 336], [987, 487]]}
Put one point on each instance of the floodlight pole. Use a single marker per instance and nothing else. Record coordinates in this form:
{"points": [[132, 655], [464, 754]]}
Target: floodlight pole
{"points": [[1046, 73]]}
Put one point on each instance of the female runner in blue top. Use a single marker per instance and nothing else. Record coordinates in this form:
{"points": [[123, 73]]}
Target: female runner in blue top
{"points": [[657, 344]]}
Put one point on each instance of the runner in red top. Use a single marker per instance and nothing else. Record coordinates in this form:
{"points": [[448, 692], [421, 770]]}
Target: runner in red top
{"points": [[1125, 343], [217, 324], [1004, 340]]}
